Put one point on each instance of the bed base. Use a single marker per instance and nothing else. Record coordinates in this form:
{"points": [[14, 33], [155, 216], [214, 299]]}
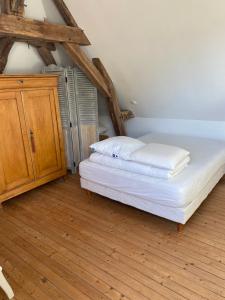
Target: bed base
{"points": [[180, 227]]}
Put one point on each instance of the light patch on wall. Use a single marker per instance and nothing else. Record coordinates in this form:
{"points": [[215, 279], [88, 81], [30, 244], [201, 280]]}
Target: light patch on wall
{"points": [[23, 59]]}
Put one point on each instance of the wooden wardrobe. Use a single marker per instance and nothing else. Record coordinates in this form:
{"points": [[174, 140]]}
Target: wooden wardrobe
{"points": [[31, 145]]}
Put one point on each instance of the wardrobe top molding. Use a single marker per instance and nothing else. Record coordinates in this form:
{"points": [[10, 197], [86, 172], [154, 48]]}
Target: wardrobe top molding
{"points": [[28, 81], [6, 76]]}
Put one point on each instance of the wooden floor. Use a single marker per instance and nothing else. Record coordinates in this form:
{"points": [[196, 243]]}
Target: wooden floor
{"points": [[56, 243]]}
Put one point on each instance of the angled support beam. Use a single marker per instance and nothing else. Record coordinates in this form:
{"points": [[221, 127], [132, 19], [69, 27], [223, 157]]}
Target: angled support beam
{"points": [[46, 56], [5, 48], [66, 14], [78, 56], [32, 29], [83, 62], [113, 101]]}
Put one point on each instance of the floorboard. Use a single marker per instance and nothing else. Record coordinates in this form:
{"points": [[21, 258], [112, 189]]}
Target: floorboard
{"points": [[58, 243]]}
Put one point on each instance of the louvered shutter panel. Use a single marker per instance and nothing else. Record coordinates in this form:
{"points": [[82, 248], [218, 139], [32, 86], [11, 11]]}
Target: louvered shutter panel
{"points": [[71, 96], [72, 157], [87, 112], [79, 112]]}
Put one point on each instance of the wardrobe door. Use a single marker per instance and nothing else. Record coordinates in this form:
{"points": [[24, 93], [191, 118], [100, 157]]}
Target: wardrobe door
{"points": [[42, 125], [15, 158]]}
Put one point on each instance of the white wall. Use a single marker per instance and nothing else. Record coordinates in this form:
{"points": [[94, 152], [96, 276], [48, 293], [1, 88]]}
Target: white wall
{"points": [[211, 129], [24, 59], [168, 55]]}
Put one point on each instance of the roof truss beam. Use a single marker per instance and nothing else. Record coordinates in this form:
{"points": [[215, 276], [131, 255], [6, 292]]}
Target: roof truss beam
{"points": [[65, 13], [83, 62], [20, 27]]}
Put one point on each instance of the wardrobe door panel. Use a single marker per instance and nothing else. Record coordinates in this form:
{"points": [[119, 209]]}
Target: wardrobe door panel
{"points": [[15, 159], [42, 126]]}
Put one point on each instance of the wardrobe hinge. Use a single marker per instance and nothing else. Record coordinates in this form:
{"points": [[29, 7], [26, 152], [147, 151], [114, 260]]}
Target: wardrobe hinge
{"points": [[71, 125]]}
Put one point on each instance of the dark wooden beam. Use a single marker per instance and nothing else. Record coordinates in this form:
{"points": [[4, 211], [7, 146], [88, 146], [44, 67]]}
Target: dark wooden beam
{"points": [[31, 29], [12, 7], [5, 6], [17, 7], [65, 13], [83, 62], [46, 56], [36, 43], [113, 101], [127, 115], [5, 48]]}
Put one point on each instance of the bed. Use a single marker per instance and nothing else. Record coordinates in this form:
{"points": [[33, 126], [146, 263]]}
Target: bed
{"points": [[175, 199]]}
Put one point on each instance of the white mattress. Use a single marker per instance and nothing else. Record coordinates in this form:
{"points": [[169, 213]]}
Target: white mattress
{"points": [[138, 168], [194, 183]]}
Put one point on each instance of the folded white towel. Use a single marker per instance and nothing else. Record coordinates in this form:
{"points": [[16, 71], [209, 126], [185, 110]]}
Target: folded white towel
{"points": [[138, 168], [160, 156]]}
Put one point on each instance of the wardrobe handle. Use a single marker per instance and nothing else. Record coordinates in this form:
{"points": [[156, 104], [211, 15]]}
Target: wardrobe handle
{"points": [[32, 141]]}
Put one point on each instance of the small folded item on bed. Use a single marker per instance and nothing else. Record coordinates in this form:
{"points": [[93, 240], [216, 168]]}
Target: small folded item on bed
{"points": [[160, 156], [138, 168], [118, 147]]}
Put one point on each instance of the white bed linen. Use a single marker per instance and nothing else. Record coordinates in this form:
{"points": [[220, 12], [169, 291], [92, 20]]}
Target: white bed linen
{"points": [[138, 168], [207, 158], [160, 155]]}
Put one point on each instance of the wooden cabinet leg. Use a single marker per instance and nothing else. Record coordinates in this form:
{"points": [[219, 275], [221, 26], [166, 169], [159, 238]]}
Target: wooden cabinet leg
{"points": [[180, 227], [5, 286]]}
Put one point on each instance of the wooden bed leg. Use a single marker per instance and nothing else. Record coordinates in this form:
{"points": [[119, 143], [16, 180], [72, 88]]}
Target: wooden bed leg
{"points": [[180, 227], [89, 194]]}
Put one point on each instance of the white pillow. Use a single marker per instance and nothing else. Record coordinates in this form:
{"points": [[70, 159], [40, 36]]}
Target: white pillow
{"points": [[118, 147], [160, 156]]}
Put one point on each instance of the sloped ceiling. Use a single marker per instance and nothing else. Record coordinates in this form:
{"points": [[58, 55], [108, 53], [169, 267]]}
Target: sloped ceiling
{"points": [[167, 55]]}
